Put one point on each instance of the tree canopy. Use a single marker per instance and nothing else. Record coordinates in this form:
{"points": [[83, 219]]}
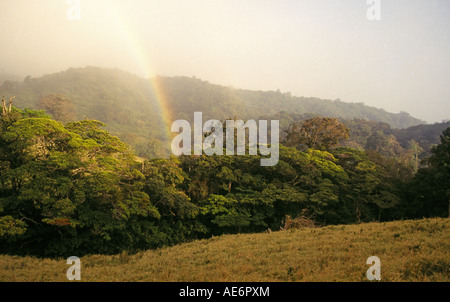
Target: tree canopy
{"points": [[321, 133], [76, 188]]}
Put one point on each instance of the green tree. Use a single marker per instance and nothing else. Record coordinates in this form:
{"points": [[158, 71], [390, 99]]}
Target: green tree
{"points": [[366, 188], [428, 193], [67, 188]]}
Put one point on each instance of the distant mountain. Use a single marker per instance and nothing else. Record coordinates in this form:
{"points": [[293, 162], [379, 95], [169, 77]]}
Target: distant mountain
{"points": [[189, 94], [122, 101], [128, 106], [425, 135], [379, 136], [6, 76]]}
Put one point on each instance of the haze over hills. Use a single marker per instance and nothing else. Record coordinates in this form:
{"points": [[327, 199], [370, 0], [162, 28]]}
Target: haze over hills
{"points": [[6, 76], [186, 95], [129, 107]]}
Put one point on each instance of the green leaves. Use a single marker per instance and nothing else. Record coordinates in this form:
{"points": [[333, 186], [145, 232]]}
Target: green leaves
{"points": [[429, 191], [65, 179], [78, 188], [216, 204], [10, 227]]}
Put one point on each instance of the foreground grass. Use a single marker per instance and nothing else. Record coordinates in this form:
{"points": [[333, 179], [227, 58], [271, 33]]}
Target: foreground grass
{"points": [[408, 251]]}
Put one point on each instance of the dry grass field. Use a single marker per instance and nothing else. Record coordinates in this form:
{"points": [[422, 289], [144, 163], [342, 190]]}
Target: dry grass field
{"points": [[410, 250]]}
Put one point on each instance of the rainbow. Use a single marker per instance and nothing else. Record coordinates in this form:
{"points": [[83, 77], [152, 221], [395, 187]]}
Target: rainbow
{"points": [[143, 60]]}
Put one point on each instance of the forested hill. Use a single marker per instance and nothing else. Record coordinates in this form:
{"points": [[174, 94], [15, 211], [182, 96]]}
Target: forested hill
{"points": [[6, 76], [73, 188], [108, 89], [377, 136], [127, 105], [124, 102], [186, 95]]}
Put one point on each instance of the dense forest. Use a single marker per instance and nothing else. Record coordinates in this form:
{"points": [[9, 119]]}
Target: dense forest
{"points": [[71, 187], [127, 104]]}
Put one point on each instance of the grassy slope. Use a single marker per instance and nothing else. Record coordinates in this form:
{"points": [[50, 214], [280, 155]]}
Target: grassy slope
{"points": [[408, 250]]}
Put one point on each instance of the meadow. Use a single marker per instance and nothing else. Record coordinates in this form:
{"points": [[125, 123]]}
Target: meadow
{"points": [[411, 251]]}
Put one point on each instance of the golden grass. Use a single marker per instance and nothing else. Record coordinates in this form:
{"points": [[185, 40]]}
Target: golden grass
{"points": [[409, 251]]}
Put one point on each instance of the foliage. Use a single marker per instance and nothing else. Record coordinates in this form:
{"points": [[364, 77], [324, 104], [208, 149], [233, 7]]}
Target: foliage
{"points": [[428, 193], [75, 188], [130, 108], [367, 188], [320, 133], [69, 187]]}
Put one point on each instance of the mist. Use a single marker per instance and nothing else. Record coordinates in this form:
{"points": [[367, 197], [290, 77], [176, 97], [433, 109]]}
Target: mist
{"points": [[327, 49]]}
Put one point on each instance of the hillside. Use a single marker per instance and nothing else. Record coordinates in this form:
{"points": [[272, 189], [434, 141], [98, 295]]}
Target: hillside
{"points": [[123, 101], [375, 135], [128, 106], [416, 250], [6, 76]]}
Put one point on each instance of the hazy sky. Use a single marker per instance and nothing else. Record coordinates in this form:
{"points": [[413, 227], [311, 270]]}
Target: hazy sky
{"points": [[320, 48]]}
